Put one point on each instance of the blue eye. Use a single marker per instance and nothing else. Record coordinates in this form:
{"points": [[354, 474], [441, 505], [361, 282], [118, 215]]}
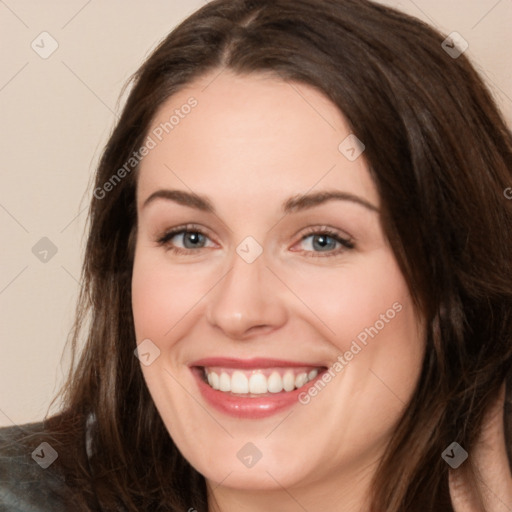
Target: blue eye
{"points": [[324, 241], [191, 239]]}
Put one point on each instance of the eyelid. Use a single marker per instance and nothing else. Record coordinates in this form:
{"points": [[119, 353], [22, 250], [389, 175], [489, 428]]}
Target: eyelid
{"points": [[170, 233], [346, 241], [327, 229], [343, 238]]}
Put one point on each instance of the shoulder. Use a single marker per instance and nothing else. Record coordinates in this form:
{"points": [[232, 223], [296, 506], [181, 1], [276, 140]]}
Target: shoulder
{"points": [[30, 480]]}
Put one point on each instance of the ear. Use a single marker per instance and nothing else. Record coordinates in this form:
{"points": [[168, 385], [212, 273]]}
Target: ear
{"points": [[491, 491]]}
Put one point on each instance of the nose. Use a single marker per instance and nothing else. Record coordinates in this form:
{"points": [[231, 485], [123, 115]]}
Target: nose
{"points": [[248, 300]]}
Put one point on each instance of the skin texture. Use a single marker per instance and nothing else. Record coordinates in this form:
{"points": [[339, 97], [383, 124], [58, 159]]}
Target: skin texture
{"points": [[251, 143]]}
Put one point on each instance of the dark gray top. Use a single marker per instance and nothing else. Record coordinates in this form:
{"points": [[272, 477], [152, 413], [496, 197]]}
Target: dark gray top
{"points": [[29, 477]]}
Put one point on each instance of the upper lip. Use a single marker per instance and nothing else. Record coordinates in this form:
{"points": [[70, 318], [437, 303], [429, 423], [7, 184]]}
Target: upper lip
{"points": [[254, 363]]}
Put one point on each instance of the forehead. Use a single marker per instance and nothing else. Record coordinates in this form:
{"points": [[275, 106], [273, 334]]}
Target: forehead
{"points": [[250, 136]]}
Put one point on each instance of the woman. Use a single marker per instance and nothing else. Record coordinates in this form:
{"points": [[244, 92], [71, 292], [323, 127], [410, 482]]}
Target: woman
{"points": [[297, 282]]}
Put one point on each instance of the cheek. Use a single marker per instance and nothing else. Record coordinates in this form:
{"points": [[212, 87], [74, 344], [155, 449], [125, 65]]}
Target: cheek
{"points": [[348, 299], [163, 294]]}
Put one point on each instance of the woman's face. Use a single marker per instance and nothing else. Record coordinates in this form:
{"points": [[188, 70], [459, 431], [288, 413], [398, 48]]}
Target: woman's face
{"points": [[284, 293]]}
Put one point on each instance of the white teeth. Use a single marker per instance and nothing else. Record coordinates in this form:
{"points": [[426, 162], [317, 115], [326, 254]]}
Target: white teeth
{"points": [[289, 381], [225, 382], [256, 383], [301, 379], [215, 381], [239, 383], [275, 383]]}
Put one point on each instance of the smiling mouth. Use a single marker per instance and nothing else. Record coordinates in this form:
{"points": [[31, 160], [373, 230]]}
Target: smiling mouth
{"points": [[257, 382]]}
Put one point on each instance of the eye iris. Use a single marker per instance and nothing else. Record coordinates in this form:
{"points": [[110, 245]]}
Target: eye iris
{"points": [[194, 237], [323, 242]]}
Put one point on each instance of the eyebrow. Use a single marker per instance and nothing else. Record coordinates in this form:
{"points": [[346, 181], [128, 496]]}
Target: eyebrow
{"points": [[291, 205]]}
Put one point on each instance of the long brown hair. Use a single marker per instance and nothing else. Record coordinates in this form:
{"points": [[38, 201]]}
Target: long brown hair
{"points": [[441, 157]]}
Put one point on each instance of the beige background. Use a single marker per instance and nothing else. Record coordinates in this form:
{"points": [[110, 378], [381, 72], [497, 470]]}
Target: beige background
{"points": [[56, 116]]}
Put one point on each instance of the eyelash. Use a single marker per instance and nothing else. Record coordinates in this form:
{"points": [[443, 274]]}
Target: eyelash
{"points": [[346, 243]]}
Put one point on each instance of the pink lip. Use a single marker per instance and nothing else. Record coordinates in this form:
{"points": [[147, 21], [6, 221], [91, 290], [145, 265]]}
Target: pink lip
{"points": [[245, 407]]}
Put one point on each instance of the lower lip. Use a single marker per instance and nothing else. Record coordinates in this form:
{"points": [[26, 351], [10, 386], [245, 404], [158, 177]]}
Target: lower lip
{"points": [[250, 408]]}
